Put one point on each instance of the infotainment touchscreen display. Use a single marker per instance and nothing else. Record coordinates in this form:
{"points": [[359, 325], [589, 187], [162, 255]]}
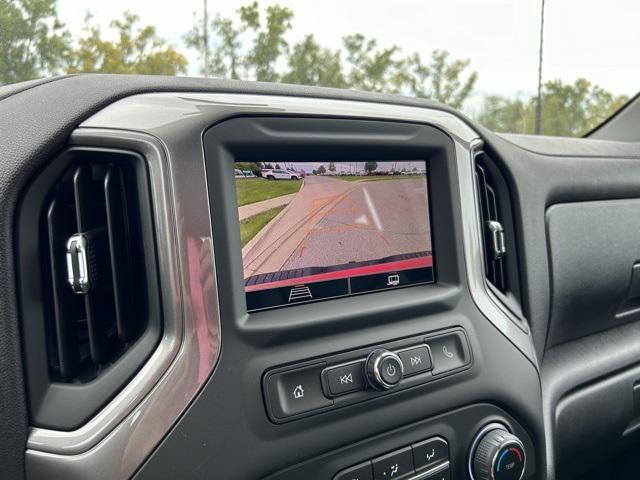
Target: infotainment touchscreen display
{"points": [[313, 231]]}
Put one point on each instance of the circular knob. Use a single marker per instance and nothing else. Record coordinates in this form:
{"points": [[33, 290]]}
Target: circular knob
{"points": [[384, 369], [498, 455]]}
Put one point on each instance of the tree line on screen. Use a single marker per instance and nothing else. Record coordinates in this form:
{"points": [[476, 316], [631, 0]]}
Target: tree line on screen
{"points": [[254, 45]]}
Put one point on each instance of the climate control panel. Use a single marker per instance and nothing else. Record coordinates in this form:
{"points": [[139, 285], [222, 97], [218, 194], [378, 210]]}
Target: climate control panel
{"points": [[425, 460], [315, 386]]}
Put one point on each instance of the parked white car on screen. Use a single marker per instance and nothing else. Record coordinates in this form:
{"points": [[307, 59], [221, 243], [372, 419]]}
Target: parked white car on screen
{"points": [[276, 174]]}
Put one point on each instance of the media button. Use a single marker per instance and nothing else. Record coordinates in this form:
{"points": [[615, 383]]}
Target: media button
{"points": [[449, 352], [345, 379], [296, 391], [415, 360], [390, 370]]}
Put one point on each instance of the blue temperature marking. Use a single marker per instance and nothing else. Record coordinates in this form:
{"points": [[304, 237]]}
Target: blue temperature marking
{"points": [[501, 457]]}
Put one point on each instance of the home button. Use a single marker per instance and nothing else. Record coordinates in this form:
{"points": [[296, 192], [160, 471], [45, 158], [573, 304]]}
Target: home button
{"points": [[296, 391]]}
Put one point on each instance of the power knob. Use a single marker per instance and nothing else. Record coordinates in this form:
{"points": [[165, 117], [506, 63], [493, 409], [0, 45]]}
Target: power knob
{"points": [[497, 454], [384, 369]]}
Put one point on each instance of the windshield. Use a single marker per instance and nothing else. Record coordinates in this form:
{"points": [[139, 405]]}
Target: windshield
{"points": [[559, 68]]}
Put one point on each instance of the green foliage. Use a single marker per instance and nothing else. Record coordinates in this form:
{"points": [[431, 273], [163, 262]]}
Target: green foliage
{"points": [[332, 167], [249, 227], [311, 64], [567, 109], [33, 41], [369, 167], [269, 43], [254, 167], [502, 114], [137, 50], [441, 80], [321, 170], [253, 46], [266, 36], [374, 70]]}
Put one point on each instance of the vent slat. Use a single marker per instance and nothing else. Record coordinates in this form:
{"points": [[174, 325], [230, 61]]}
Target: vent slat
{"points": [[64, 304], [104, 320], [84, 195], [98, 305], [121, 257], [489, 211]]}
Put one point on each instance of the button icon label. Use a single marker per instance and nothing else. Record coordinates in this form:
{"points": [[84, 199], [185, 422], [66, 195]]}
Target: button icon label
{"points": [[393, 280], [446, 352], [417, 360], [300, 292], [391, 370], [430, 455], [298, 392], [346, 378]]}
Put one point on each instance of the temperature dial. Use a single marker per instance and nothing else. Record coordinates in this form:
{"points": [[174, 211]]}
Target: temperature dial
{"points": [[499, 455], [384, 369]]}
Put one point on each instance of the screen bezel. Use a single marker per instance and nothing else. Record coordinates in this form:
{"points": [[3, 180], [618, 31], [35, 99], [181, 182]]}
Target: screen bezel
{"points": [[433, 272], [316, 138]]}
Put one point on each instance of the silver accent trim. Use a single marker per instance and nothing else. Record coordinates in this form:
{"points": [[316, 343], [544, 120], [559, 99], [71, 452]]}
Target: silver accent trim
{"points": [[77, 249], [167, 129], [115, 442], [497, 239], [478, 438], [431, 471], [372, 369]]}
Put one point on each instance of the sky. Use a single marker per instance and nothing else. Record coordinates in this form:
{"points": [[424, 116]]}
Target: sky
{"points": [[594, 39]]}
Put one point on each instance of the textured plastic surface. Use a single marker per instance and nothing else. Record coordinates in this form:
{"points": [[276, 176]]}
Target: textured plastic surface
{"points": [[456, 427], [593, 247], [612, 422]]}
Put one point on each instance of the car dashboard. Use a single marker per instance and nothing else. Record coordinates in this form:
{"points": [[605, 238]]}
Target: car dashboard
{"points": [[491, 341]]}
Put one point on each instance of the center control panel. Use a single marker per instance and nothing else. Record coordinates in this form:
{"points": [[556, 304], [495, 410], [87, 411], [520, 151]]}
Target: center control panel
{"points": [[308, 388], [426, 460]]}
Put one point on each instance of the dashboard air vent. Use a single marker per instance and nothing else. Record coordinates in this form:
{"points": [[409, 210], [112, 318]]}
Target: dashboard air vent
{"points": [[492, 224], [94, 247], [88, 282]]}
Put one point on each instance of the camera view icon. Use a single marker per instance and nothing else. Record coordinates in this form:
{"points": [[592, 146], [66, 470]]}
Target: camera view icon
{"points": [[300, 292], [393, 280]]}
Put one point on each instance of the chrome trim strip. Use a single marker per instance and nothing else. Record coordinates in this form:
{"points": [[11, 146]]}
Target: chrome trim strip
{"points": [[431, 471], [476, 440], [167, 129]]}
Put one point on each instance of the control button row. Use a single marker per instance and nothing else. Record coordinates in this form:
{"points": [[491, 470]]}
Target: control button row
{"points": [[300, 390], [382, 368], [426, 460]]}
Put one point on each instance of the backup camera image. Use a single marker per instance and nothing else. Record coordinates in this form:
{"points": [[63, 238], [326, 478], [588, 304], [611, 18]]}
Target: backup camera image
{"points": [[312, 231]]}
